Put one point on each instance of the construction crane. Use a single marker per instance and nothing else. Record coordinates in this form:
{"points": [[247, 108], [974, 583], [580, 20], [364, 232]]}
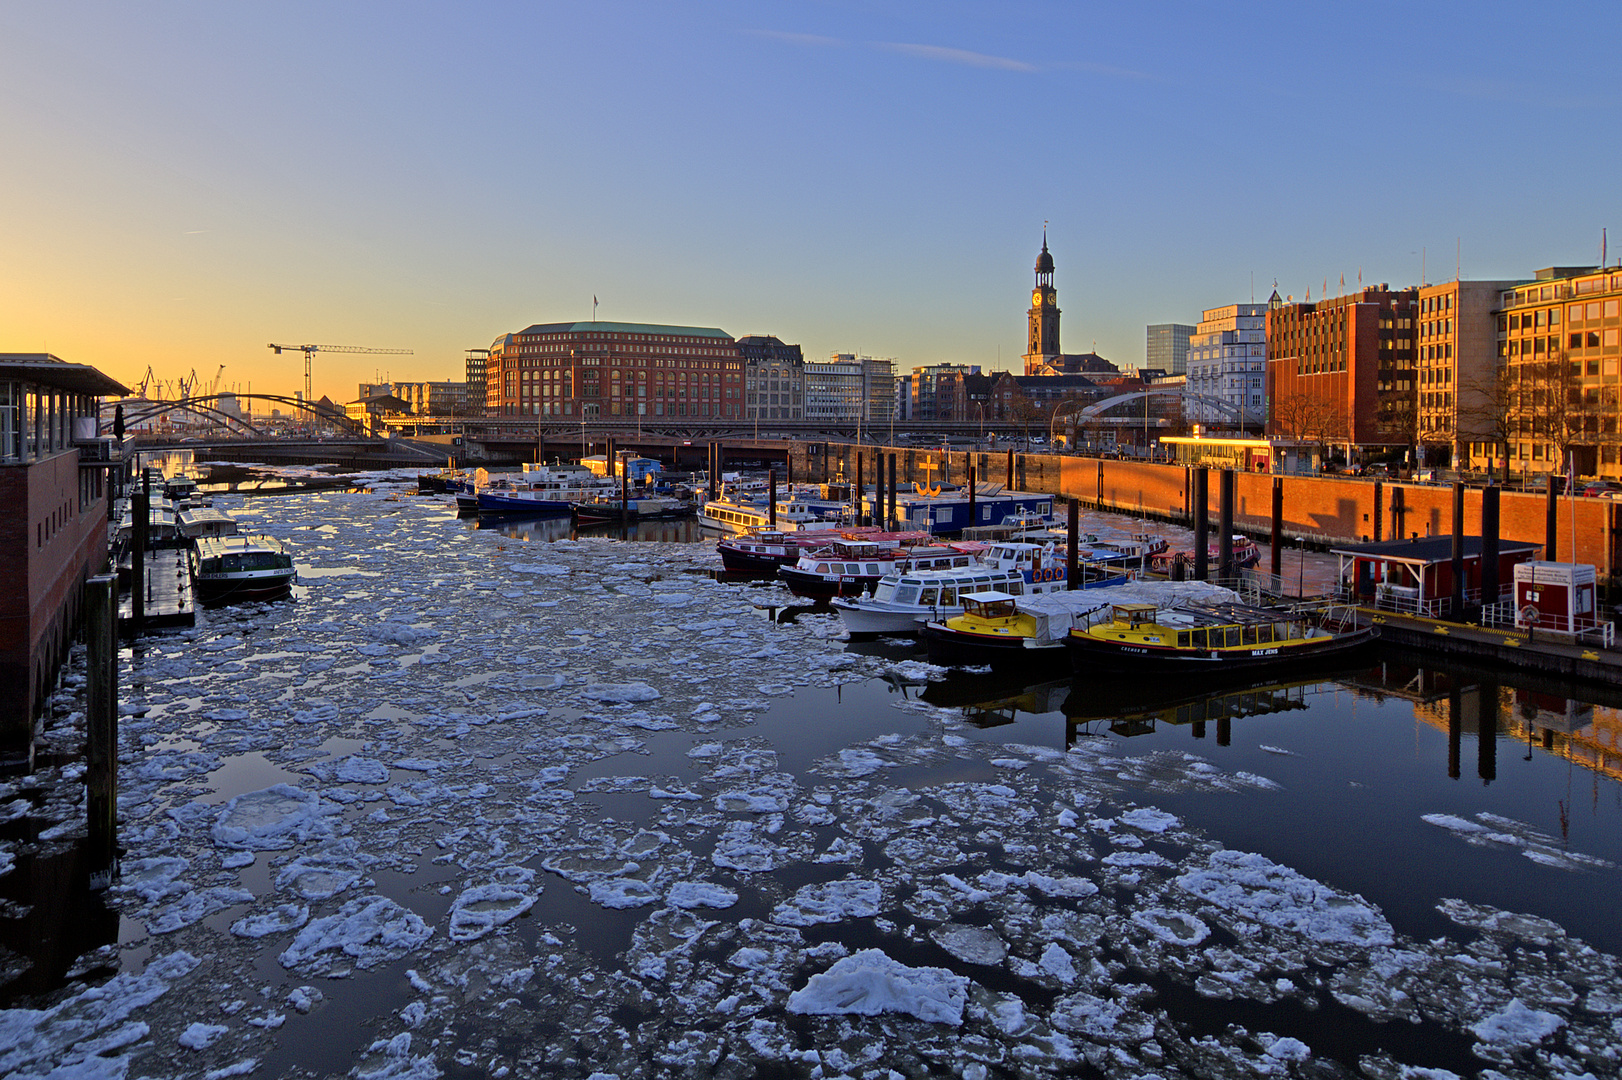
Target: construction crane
{"points": [[214, 387], [310, 350]]}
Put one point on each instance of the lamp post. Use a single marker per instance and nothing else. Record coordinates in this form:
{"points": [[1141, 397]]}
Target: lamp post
{"points": [[1054, 419]]}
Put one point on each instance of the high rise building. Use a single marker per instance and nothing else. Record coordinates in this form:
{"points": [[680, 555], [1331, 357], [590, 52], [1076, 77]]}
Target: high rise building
{"points": [[774, 378], [1227, 363], [586, 369], [1167, 347], [1342, 371]]}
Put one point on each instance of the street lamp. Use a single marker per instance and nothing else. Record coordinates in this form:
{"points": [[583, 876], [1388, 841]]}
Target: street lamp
{"points": [[1054, 419]]}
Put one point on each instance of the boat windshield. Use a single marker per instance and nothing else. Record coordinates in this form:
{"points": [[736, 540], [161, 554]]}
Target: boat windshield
{"points": [[988, 609]]}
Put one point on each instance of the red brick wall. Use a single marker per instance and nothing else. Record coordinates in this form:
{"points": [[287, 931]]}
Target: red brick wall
{"points": [[45, 555]]}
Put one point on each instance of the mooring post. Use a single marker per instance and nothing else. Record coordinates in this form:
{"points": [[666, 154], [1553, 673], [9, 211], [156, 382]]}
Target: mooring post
{"points": [[1225, 523], [1202, 524], [1011, 485], [973, 520], [771, 497], [892, 522], [1458, 550], [1551, 527], [1276, 566], [1489, 545], [140, 528], [1379, 518], [1071, 577], [101, 741], [856, 493]]}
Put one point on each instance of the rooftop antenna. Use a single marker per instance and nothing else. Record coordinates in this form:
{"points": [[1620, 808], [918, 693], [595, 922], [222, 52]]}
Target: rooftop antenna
{"points": [[1458, 248], [1253, 286]]}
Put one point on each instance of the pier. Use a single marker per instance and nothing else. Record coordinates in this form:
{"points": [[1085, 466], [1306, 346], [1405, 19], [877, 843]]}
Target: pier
{"points": [[167, 596]]}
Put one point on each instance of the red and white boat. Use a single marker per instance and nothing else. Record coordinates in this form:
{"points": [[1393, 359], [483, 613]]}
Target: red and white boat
{"points": [[854, 567]]}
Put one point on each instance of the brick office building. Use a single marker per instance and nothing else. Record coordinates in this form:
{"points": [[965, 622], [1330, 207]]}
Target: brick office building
{"points": [[1560, 347], [1342, 371], [590, 369], [1457, 365], [53, 535]]}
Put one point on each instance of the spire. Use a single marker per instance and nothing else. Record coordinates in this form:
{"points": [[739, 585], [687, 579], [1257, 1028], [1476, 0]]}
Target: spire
{"points": [[1044, 261]]}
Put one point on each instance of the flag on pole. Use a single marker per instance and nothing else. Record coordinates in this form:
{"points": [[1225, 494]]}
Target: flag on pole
{"points": [[593, 307]]}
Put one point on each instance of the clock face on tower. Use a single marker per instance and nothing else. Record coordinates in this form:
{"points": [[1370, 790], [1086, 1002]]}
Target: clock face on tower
{"points": [[1036, 298]]}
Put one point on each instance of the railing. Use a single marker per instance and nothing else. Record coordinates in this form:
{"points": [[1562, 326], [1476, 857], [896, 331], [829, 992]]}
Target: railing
{"points": [[1579, 629]]}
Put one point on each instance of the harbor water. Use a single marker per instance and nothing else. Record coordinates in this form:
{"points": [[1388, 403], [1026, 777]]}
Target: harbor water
{"points": [[521, 800]]}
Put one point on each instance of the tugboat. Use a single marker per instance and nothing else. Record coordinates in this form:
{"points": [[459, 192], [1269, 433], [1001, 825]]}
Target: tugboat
{"points": [[1143, 639], [227, 569]]}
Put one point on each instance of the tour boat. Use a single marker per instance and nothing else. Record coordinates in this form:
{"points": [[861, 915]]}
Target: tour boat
{"points": [[1143, 639], [640, 507], [234, 568], [855, 567], [1025, 632], [903, 600], [1245, 555], [765, 551], [730, 515], [205, 521]]}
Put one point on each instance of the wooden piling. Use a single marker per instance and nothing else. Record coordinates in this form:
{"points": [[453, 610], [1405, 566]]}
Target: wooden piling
{"points": [[1276, 565], [1225, 523], [1458, 550], [893, 523], [1489, 545], [1551, 526], [1202, 524], [771, 496], [101, 741], [1071, 577]]}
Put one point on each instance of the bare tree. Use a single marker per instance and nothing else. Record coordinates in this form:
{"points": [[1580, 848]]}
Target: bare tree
{"points": [[1308, 418], [1486, 411]]}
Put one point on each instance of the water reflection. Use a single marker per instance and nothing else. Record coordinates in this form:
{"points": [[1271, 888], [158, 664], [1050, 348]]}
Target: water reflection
{"points": [[683, 531]]}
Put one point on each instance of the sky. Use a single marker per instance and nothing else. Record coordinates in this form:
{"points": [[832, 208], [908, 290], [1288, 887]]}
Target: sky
{"points": [[183, 183]]}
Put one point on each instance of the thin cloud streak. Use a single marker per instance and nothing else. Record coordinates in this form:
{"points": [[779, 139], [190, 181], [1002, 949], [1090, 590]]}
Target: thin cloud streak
{"points": [[815, 40], [955, 56]]}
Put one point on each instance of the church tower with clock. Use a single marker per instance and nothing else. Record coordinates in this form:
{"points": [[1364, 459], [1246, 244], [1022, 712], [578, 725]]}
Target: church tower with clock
{"points": [[1042, 345]]}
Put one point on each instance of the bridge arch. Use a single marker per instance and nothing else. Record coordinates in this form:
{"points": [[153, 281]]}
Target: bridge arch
{"points": [[1098, 408], [207, 404]]}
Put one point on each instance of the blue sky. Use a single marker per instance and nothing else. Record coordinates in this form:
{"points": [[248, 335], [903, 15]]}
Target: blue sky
{"points": [[185, 182]]}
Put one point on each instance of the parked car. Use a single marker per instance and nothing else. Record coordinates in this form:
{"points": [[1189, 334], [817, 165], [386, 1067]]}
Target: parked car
{"points": [[1601, 489]]}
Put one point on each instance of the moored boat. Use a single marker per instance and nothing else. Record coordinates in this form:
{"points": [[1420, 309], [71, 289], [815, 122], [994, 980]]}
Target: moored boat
{"points": [[227, 569], [855, 567], [1245, 555], [1009, 632], [902, 601], [1139, 638], [732, 515]]}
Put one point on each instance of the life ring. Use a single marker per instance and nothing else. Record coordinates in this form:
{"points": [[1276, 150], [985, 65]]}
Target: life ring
{"points": [[1530, 615]]}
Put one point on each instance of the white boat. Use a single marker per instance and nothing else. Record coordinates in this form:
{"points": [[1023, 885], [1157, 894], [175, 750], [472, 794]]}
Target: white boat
{"points": [[232, 568], [855, 567], [205, 521], [901, 602]]}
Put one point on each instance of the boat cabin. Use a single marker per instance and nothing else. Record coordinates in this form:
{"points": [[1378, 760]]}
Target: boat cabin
{"points": [[988, 605], [206, 521]]}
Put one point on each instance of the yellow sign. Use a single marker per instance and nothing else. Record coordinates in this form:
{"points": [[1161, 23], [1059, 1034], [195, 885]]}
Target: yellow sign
{"points": [[931, 490]]}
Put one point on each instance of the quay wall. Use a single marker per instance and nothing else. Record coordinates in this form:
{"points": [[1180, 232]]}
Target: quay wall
{"points": [[46, 553], [1322, 510]]}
